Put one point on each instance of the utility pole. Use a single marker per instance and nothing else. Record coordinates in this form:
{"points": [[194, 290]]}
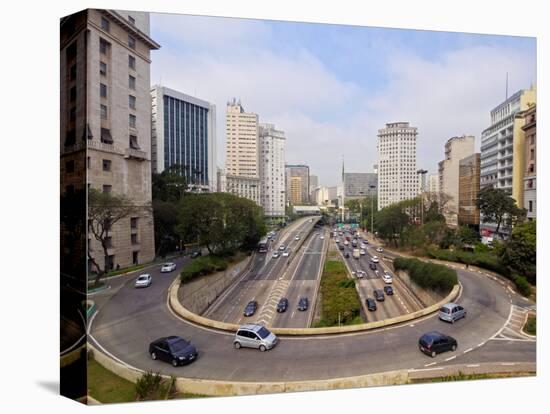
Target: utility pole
{"points": [[372, 187], [422, 172]]}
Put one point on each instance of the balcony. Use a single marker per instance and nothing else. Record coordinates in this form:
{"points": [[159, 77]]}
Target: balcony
{"points": [[135, 154]]}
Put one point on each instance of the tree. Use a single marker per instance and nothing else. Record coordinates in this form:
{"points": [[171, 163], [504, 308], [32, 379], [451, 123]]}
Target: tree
{"points": [[434, 213], [467, 236], [498, 207], [165, 215], [519, 253], [104, 211], [169, 185], [390, 222]]}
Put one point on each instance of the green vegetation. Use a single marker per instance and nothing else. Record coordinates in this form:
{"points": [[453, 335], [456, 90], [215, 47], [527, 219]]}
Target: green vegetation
{"points": [[107, 387], [339, 299], [125, 270], [152, 386], [428, 275], [468, 377], [498, 207], [486, 260], [530, 326], [520, 251], [205, 265]]}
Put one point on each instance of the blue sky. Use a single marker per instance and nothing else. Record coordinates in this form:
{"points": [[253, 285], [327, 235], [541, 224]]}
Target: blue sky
{"points": [[331, 87]]}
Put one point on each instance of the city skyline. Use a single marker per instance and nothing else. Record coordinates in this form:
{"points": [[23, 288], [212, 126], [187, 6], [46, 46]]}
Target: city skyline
{"points": [[308, 80]]}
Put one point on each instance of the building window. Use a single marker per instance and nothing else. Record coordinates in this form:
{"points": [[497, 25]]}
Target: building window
{"points": [[103, 111], [107, 188], [134, 142], [132, 101], [106, 136], [131, 62], [131, 42], [72, 72], [105, 24], [69, 166], [109, 262], [72, 114], [102, 90], [103, 47], [70, 138], [106, 165], [134, 238], [132, 121], [131, 82], [131, 20], [532, 154], [134, 222], [135, 258], [72, 94], [71, 51], [88, 162], [103, 68], [109, 242], [530, 206]]}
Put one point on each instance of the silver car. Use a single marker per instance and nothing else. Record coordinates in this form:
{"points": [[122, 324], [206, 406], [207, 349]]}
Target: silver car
{"points": [[143, 281], [254, 336], [451, 312]]}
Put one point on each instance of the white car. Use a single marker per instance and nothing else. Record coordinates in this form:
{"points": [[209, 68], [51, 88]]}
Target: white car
{"points": [[362, 252], [168, 267], [380, 250], [387, 278], [363, 246], [322, 237], [282, 247], [275, 254], [297, 238], [346, 243], [361, 274], [337, 240], [375, 259], [143, 280], [286, 254]]}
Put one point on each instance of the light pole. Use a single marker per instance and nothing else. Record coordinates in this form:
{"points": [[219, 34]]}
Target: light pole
{"points": [[361, 209], [372, 187], [422, 173]]}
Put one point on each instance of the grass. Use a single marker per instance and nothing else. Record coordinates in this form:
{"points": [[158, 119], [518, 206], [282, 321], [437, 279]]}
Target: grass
{"points": [[107, 387], [125, 270], [339, 300], [428, 275], [469, 377], [530, 326]]}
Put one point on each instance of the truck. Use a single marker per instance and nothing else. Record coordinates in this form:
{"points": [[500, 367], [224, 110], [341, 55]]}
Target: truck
{"points": [[356, 253]]}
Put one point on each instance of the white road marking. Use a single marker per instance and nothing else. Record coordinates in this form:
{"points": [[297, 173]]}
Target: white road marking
{"points": [[430, 364], [451, 358], [507, 363], [468, 350], [481, 344], [472, 365]]}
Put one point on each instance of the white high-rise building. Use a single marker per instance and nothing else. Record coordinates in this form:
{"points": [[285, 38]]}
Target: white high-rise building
{"points": [[397, 174], [433, 183], [272, 170]]}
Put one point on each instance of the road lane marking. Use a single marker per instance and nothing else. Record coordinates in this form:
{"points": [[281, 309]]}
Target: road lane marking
{"points": [[472, 365], [451, 358], [468, 350], [430, 364]]}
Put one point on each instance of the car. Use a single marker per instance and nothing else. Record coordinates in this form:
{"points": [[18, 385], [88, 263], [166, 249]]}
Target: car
{"points": [[168, 267], [379, 250], [303, 304], [360, 274], [196, 254], [250, 308], [346, 254], [282, 305], [386, 277], [451, 312], [433, 343], [346, 242], [275, 255], [144, 280], [297, 238], [341, 247], [254, 336], [388, 290], [378, 295], [371, 304], [322, 237], [173, 349], [286, 253], [282, 247], [363, 246], [337, 240], [375, 259], [372, 266], [362, 252]]}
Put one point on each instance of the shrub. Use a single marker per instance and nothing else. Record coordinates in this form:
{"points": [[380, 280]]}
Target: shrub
{"points": [[201, 266], [428, 275], [147, 386], [522, 285]]}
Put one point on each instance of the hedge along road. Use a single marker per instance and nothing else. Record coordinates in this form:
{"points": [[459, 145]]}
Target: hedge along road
{"points": [[126, 324]]}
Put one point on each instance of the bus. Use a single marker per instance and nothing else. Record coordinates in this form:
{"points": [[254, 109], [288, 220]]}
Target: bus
{"points": [[262, 245]]}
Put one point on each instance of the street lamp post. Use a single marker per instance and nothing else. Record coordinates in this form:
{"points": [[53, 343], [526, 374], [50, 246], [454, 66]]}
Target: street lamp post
{"points": [[361, 209], [422, 173], [372, 187]]}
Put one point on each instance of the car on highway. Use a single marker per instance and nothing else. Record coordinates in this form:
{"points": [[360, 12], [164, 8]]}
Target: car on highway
{"points": [[433, 343], [372, 266], [378, 295], [336, 240], [168, 267], [297, 238], [375, 259], [346, 254], [362, 252], [282, 305], [379, 250], [363, 246], [322, 237], [346, 242], [341, 247], [388, 290], [173, 349], [196, 254], [286, 253], [144, 280], [250, 308], [386, 277], [371, 304], [303, 304], [360, 274], [275, 254], [254, 336], [282, 247], [451, 312]]}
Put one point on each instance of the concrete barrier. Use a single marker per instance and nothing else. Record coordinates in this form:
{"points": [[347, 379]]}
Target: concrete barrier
{"points": [[178, 308]]}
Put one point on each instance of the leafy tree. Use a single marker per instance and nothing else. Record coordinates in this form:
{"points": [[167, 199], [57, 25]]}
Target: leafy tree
{"points": [[519, 253], [434, 213], [449, 239], [165, 215], [434, 231], [498, 207], [390, 222], [104, 211], [467, 236], [169, 185]]}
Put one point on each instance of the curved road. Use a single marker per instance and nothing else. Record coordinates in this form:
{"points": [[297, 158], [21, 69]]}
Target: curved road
{"points": [[129, 319]]}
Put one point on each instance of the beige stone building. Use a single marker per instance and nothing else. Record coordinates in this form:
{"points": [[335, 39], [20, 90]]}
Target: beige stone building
{"points": [[106, 121], [468, 191], [297, 183], [456, 148], [530, 163]]}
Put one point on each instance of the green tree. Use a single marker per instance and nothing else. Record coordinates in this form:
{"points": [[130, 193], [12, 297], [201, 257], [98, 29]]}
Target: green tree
{"points": [[433, 214], [165, 215], [519, 253], [390, 222], [169, 185], [498, 207], [467, 236]]}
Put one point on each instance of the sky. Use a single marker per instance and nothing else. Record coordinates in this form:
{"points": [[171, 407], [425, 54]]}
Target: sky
{"points": [[331, 87]]}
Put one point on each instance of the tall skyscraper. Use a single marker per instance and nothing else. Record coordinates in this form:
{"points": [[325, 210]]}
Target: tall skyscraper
{"points": [[468, 191], [106, 122], [242, 146], [313, 184], [272, 171], [360, 185], [183, 132], [456, 148], [397, 177], [297, 183]]}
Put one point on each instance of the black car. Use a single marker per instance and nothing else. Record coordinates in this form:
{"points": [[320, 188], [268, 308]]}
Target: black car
{"points": [[341, 246], [378, 295], [173, 349], [282, 305], [346, 255], [303, 304], [250, 308], [433, 343], [195, 254], [372, 266], [388, 290], [371, 304]]}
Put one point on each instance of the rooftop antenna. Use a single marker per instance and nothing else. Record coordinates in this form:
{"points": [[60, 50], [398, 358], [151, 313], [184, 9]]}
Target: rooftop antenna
{"points": [[506, 86]]}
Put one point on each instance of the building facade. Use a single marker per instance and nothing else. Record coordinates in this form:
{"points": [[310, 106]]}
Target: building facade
{"points": [[243, 187], [530, 162], [397, 177], [221, 184], [183, 133], [433, 183], [106, 122], [297, 183], [360, 185], [313, 185], [272, 171], [468, 191], [456, 148]]}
